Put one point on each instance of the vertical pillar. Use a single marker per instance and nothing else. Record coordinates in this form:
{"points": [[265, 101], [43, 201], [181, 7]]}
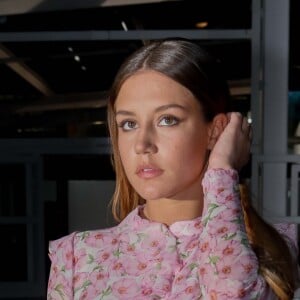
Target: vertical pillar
{"points": [[256, 98], [275, 106]]}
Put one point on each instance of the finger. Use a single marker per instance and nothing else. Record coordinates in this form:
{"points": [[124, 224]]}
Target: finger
{"points": [[236, 119], [229, 116]]}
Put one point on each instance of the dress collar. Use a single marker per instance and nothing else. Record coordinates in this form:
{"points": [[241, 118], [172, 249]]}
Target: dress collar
{"points": [[135, 221]]}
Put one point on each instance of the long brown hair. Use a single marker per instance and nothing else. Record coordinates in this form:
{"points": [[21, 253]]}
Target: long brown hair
{"points": [[191, 66]]}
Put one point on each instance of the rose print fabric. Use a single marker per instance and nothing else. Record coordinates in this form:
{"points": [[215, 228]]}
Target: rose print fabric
{"points": [[205, 258]]}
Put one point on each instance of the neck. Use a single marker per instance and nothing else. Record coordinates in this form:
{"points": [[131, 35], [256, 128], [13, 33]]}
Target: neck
{"points": [[169, 211]]}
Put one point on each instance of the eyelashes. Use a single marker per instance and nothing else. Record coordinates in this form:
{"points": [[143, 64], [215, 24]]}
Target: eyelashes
{"points": [[168, 121], [164, 121], [127, 125]]}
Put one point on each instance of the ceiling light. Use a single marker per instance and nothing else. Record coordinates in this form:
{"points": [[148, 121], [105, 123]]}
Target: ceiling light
{"points": [[202, 24], [70, 49], [249, 117], [77, 58], [83, 68], [124, 26], [98, 123]]}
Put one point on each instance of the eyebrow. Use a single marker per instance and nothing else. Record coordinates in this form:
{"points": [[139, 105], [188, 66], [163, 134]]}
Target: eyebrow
{"points": [[158, 109]]}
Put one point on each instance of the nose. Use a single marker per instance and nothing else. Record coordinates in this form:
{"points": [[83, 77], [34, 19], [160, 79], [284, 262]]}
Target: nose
{"points": [[145, 141]]}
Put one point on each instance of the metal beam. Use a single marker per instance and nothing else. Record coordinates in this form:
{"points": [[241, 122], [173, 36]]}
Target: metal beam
{"points": [[65, 102], [25, 72], [55, 146], [276, 64], [104, 35], [275, 106], [99, 99], [256, 100], [12, 7], [239, 87]]}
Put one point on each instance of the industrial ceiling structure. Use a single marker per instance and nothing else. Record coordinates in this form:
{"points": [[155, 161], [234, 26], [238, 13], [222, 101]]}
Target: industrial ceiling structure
{"points": [[58, 58]]}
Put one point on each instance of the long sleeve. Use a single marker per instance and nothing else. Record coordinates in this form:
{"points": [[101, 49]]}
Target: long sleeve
{"points": [[60, 283], [206, 258], [230, 268]]}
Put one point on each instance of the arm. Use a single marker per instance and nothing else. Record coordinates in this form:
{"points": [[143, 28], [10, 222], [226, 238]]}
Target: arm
{"points": [[60, 283], [230, 269]]}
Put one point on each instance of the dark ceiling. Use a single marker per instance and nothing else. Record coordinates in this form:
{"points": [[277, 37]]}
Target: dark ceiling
{"points": [[54, 86]]}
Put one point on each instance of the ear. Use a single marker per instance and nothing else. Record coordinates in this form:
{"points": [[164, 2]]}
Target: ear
{"points": [[216, 127]]}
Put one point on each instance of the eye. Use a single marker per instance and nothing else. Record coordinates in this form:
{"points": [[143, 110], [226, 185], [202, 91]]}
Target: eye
{"points": [[168, 121], [128, 125]]}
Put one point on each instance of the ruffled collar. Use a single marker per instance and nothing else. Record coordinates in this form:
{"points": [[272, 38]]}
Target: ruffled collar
{"points": [[137, 221]]}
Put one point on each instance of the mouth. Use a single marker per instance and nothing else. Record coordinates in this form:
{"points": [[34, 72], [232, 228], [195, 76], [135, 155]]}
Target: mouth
{"points": [[148, 172]]}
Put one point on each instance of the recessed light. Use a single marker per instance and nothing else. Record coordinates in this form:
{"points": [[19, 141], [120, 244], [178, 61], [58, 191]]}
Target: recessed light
{"points": [[124, 26], [77, 58], [203, 24], [98, 123]]}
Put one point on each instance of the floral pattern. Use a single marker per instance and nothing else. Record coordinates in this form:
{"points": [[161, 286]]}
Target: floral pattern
{"points": [[205, 258]]}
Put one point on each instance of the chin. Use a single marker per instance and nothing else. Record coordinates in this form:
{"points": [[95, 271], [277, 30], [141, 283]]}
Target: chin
{"points": [[150, 195]]}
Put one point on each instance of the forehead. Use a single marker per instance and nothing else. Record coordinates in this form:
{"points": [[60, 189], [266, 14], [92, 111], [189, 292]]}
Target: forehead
{"points": [[151, 87]]}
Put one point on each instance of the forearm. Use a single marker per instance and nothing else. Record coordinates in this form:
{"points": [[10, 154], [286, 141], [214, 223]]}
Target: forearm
{"points": [[230, 268]]}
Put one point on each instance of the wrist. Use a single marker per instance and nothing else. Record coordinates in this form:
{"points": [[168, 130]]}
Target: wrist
{"points": [[223, 166]]}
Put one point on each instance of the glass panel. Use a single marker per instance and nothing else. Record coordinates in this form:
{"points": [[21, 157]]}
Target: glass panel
{"points": [[294, 81], [12, 190], [13, 252], [294, 122]]}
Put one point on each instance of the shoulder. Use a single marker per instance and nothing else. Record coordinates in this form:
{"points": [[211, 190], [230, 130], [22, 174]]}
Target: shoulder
{"points": [[68, 243], [289, 233], [97, 238], [287, 229], [65, 251], [74, 249], [79, 253]]}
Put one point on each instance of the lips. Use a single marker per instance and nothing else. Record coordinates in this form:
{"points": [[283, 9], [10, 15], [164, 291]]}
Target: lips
{"points": [[148, 171]]}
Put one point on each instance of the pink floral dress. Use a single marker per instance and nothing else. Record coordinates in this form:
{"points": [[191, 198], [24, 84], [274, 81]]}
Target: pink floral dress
{"points": [[205, 258]]}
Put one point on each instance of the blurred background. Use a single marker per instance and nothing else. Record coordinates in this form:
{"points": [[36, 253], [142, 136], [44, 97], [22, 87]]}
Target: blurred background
{"points": [[57, 61]]}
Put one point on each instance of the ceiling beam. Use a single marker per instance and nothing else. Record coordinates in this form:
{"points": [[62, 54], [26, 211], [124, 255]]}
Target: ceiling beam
{"points": [[92, 100], [25, 72], [110, 35], [240, 87], [13, 7], [130, 2]]}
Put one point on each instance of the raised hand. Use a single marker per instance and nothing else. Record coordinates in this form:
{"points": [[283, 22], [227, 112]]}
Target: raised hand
{"points": [[232, 149]]}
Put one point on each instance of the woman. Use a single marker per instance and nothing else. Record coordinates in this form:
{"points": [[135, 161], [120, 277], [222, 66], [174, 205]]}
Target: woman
{"points": [[184, 232]]}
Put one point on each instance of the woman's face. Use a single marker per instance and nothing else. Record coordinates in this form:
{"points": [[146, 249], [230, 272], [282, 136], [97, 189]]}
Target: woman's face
{"points": [[162, 137]]}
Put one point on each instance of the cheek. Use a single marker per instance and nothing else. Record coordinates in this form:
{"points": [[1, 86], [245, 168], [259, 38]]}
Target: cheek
{"points": [[195, 156], [187, 152], [125, 151], [123, 145]]}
